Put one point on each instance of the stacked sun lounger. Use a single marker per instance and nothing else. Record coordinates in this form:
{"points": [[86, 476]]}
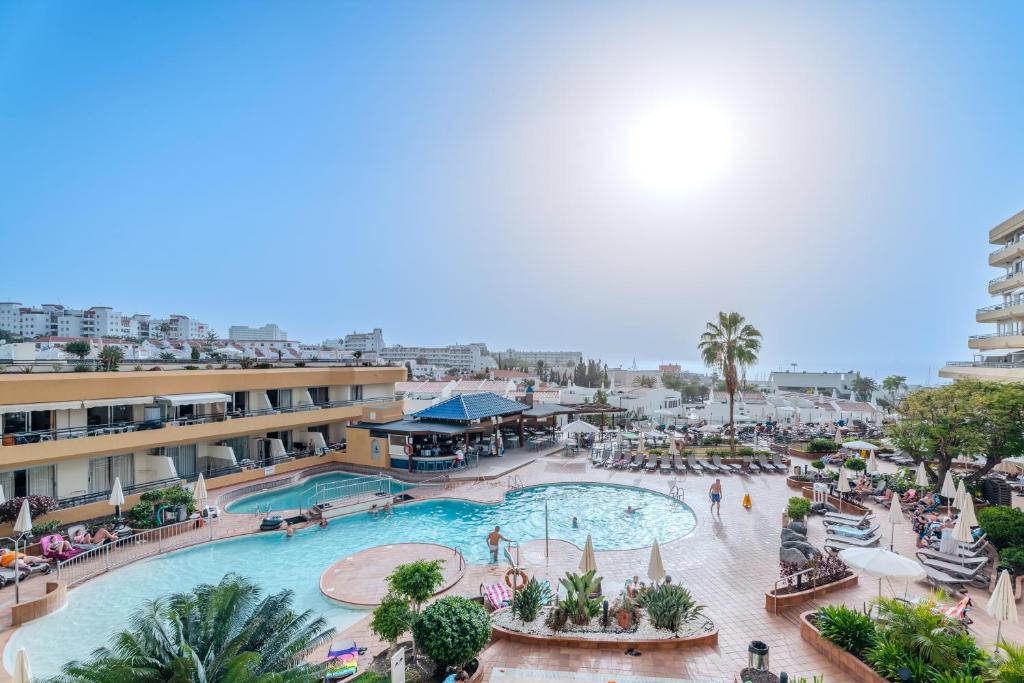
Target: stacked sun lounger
{"points": [[850, 531]]}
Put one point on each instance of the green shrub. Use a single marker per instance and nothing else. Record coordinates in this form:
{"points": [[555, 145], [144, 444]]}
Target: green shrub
{"points": [[818, 465], [849, 629], [822, 446], [141, 516], [1009, 663], [82, 367], [798, 508], [557, 618], [371, 677], [1004, 525], [670, 606], [392, 618], [919, 631], [44, 528], [1012, 557], [578, 603], [527, 603], [890, 657], [453, 630], [855, 465], [745, 451], [417, 581]]}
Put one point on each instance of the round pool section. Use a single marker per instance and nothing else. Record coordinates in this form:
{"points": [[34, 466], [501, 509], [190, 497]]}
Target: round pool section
{"points": [[298, 495], [101, 607]]}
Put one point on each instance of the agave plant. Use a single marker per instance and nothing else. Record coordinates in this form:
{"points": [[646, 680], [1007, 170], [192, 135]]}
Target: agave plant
{"points": [[670, 606], [527, 602], [578, 603]]}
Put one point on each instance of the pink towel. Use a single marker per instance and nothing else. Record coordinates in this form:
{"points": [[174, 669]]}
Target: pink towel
{"points": [[497, 595]]}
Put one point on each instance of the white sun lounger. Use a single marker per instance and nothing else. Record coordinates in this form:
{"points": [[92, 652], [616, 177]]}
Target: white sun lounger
{"points": [[717, 460]]}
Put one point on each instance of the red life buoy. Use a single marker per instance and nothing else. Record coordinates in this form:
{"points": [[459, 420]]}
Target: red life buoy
{"points": [[408, 449], [523, 578]]}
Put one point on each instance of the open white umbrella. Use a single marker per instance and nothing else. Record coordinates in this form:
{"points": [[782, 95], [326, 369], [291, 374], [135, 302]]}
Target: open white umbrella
{"points": [[580, 427], [895, 517], [860, 446], [948, 491], [22, 672], [882, 563], [922, 476], [116, 497], [1001, 606], [961, 494], [655, 568], [844, 481], [588, 563]]}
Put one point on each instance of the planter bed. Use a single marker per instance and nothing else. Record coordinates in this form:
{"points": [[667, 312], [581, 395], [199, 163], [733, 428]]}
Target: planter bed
{"points": [[643, 636], [773, 602], [858, 670]]}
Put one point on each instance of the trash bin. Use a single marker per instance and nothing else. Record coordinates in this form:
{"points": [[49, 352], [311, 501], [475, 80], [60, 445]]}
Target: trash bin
{"points": [[757, 655]]}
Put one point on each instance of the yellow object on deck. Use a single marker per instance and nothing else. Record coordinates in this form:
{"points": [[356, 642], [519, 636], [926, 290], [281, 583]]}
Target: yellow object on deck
{"points": [[746, 501]]}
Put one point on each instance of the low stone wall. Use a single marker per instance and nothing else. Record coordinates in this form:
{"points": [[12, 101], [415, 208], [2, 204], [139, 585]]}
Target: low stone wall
{"points": [[773, 603], [56, 596], [566, 640], [858, 670]]}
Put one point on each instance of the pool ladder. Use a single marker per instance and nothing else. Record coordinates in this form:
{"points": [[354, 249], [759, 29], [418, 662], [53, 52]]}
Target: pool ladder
{"points": [[676, 491], [515, 483], [260, 512]]}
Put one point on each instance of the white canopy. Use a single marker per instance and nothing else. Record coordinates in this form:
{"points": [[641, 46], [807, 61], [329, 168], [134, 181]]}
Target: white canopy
{"points": [[131, 401], [710, 429], [882, 563], [22, 671], [29, 407], [961, 495], [948, 488], [967, 512], [193, 399], [580, 427], [844, 481], [860, 446], [1011, 465], [1001, 606], [662, 411], [872, 464]]}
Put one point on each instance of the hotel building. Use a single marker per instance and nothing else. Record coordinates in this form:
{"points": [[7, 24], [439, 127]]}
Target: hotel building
{"points": [[999, 355], [68, 435]]}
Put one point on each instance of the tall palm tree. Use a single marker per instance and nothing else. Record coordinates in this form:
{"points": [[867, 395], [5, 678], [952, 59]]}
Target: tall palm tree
{"points": [[729, 344], [224, 633]]}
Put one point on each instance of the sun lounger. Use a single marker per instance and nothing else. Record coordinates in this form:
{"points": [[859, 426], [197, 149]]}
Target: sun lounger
{"points": [[838, 543], [843, 518], [851, 531], [762, 460], [652, 463], [941, 579], [7, 576], [750, 465], [691, 460], [725, 467], [49, 546], [968, 558], [663, 465], [977, 574], [777, 461], [342, 660], [496, 595]]}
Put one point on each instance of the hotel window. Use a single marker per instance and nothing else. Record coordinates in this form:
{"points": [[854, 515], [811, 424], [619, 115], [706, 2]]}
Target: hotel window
{"points": [[355, 392], [103, 471], [184, 459], [34, 421], [105, 415], [240, 447], [320, 395], [239, 400], [34, 481], [280, 399]]}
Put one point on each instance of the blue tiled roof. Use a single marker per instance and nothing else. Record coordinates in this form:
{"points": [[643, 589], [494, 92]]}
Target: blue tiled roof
{"points": [[471, 407]]}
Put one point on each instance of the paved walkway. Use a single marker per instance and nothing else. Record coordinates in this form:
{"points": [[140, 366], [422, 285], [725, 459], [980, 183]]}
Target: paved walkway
{"points": [[359, 580]]}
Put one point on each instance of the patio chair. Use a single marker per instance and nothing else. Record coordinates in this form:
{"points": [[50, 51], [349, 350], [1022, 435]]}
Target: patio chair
{"points": [[972, 559], [977, 574], [652, 463], [941, 579], [710, 466], [691, 460], [496, 595], [724, 467]]}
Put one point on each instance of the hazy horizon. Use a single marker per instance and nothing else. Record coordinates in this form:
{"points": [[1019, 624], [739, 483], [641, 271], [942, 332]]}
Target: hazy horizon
{"points": [[601, 177]]}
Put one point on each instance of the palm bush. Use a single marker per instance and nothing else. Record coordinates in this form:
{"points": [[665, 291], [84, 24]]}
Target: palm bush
{"points": [[453, 630], [919, 631], [527, 602], [847, 628], [855, 465], [580, 607], [215, 633], [669, 606], [1009, 663], [889, 659]]}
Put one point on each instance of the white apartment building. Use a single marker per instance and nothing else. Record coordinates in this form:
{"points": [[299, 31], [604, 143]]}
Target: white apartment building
{"points": [[552, 359], [55, 320], [835, 384], [463, 357], [268, 332], [365, 342]]}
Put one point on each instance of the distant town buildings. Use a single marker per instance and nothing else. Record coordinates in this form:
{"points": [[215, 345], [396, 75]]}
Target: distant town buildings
{"points": [[552, 359], [462, 357], [365, 342], [268, 332], [832, 384], [55, 320]]}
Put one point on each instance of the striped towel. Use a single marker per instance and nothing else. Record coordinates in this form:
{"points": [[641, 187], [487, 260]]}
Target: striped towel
{"points": [[342, 661], [497, 595]]}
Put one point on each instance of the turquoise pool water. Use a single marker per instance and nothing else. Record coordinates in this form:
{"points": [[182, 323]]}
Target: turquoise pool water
{"points": [[101, 606], [300, 495]]}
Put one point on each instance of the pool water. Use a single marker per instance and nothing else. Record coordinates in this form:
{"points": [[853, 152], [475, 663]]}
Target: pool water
{"points": [[102, 606], [300, 495]]}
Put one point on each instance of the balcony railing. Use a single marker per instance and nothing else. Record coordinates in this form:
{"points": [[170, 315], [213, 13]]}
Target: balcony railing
{"points": [[123, 427], [983, 364], [1002, 278]]}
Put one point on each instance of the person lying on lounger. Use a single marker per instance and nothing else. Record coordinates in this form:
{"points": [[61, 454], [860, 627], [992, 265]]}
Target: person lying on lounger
{"points": [[8, 558], [102, 535]]}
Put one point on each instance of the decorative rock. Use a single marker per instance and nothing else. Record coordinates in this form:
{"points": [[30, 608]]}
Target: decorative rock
{"points": [[798, 527], [790, 535], [791, 555], [803, 547]]}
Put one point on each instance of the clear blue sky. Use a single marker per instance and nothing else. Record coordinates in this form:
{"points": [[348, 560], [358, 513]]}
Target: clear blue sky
{"points": [[454, 171]]}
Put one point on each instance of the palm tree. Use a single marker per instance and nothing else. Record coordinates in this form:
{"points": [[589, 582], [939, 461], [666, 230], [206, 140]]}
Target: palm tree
{"points": [[863, 387], [216, 633], [645, 381], [727, 345], [893, 385]]}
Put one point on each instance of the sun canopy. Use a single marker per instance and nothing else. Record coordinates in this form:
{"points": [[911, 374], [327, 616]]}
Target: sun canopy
{"points": [[29, 407], [193, 399], [860, 446], [580, 427], [131, 401], [882, 563]]}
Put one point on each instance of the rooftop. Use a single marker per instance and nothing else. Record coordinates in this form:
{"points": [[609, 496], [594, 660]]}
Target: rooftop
{"points": [[466, 407]]}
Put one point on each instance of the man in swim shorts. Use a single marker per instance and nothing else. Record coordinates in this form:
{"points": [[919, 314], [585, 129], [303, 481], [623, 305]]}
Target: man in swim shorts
{"points": [[716, 496], [493, 540]]}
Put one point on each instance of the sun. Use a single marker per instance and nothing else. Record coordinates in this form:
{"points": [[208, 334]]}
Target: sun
{"points": [[679, 147]]}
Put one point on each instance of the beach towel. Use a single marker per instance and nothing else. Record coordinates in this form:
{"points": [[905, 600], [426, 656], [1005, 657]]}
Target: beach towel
{"points": [[850, 531], [342, 661], [497, 595]]}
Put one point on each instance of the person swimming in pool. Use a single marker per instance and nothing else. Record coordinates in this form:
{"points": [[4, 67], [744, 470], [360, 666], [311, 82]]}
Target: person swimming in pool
{"points": [[715, 492], [575, 523], [630, 510]]}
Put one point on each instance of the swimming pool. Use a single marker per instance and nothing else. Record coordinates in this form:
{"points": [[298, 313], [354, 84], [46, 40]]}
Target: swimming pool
{"points": [[299, 495], [101, 606]]}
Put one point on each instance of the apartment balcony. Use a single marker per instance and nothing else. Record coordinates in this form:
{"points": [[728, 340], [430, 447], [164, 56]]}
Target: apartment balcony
{"points": [[34, 448], [1007, 254], [997, 312], [1005, 283], [995, 340], [1005, 230]]}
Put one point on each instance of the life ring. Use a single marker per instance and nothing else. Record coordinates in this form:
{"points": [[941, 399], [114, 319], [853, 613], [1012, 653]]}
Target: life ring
{"points": [[523, 578], [408, 449]]}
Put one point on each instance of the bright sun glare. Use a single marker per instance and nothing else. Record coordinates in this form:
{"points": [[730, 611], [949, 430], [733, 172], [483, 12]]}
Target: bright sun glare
{"points": [[679, 147]]}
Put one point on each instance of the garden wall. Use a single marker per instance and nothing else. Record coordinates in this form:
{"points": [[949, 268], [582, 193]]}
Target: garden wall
{"points": [[858, 670]]}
